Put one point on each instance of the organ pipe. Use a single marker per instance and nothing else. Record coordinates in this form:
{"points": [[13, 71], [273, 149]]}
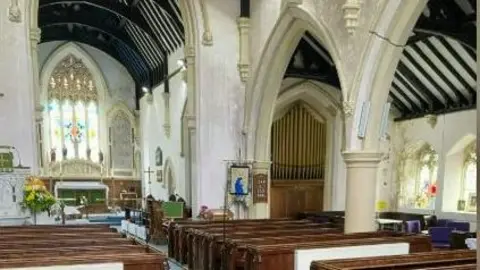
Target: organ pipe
{"points": [[298, 145]]}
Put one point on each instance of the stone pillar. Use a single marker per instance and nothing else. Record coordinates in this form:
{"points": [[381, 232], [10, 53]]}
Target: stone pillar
{"points": [[17, 107], [260, 210], [35, 36], [361, 188]]}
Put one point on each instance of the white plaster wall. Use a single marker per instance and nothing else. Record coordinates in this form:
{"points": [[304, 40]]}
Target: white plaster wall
{"points": [[220, 102], [263, 17], [16, 75], [121, 86], [153, 135], [449, 130]]}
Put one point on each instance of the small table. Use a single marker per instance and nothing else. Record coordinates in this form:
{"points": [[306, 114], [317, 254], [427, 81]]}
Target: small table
{"points": [[397, 224]]}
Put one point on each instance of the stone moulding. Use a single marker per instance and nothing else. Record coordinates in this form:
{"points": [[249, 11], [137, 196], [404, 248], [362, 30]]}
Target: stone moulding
{"points": [[351, 11], [14, 13]]}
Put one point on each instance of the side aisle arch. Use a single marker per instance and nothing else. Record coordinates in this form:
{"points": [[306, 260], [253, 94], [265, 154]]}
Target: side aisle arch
{"points": [[264, 85], [375, 75]]}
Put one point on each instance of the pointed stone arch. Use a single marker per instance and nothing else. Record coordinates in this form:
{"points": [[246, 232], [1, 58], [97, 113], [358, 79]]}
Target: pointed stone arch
{"points": [[324, 102], [264, 86], [379, 62], [170, 180]]}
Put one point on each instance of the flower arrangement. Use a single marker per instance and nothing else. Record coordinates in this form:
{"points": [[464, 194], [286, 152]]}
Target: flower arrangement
{"points": [[36, 198]]}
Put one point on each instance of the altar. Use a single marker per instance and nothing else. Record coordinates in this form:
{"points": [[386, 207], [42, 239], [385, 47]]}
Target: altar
{"points": [[71, 192]]}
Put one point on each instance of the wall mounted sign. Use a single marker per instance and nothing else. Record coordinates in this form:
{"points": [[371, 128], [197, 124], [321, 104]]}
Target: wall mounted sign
{"points": [[260, 188]]}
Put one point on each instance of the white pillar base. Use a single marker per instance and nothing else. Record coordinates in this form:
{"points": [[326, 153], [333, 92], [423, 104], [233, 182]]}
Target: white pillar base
{"points": [[361, 187]]}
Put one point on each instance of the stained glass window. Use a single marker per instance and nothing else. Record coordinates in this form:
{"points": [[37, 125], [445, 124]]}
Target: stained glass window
{"points": [[73, 112], [469, 181]]}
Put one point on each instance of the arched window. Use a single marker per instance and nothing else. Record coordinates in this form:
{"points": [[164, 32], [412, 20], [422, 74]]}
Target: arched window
{"points": [[419, 188], [469, 178], [73, 112]]}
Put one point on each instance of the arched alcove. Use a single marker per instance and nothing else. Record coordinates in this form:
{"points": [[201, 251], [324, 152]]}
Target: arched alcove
{"points": [[460, 176], [417, 173], [308, 102], [170, 180]]}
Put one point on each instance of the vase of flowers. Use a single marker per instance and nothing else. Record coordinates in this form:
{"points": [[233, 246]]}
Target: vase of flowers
{"points": [[36, 198]]}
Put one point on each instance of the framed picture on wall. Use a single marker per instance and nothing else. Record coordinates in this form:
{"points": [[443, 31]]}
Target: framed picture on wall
{"points": [[239, 180], [472, 202]]}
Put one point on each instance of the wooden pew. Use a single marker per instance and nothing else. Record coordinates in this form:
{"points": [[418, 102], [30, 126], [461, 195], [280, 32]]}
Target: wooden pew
{"points": [[235, 249], [281, 256], [198, 240], [180, 233], [46, 247], [455, 259], [210, 249], [55, 235], [177, 237], [64, 243], [132, 261]]}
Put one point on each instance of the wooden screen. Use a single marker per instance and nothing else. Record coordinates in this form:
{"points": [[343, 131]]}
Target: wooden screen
{"points": [[298, 152]]}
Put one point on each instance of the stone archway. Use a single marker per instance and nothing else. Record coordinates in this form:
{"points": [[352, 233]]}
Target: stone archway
{"points": [[376, 72], [191, 20], [263, 89], [266, 81]]}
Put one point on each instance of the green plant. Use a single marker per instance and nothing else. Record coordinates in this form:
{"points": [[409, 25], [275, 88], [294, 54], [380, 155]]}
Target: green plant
{"points": [[36, 198]]}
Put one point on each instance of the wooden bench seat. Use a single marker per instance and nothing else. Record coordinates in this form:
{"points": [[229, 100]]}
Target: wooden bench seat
{"points": [[428, 260], [55, 235], [198, 240], [64, 243], [46, 246], [281, 256], [210, 250], [132, 261], [234, 250], [176, 231]]}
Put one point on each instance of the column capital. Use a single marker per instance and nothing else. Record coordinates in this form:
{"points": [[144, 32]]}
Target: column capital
{"points": [[261, 165], [362, 158]]}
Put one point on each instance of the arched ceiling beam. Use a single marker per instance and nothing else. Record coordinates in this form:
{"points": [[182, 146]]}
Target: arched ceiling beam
{"points": [[173, 10], [131, 14], [63, 34], [96, 25], [447, 18]]}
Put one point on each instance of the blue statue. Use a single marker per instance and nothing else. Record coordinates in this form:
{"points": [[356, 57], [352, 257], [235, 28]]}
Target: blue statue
{"points": [[239, 186]]}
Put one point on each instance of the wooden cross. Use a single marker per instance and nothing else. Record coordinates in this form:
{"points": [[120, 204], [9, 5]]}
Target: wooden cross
{"points": [[149, 171]]}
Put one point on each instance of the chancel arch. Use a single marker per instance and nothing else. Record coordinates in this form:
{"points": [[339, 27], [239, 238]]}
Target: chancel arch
{"points": [[304, 145]]}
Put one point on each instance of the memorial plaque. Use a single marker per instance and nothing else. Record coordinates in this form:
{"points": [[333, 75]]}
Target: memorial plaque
{"points": [[260, 188]]}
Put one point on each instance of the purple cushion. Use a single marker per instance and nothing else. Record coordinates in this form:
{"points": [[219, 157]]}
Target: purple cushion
{"points": [[413, 226], [459, 225], [440, 235]]}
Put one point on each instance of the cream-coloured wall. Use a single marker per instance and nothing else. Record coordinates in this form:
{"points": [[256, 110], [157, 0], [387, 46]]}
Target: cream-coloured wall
{"points": [[154, 133], [448, 133], [220, 103], [17, 111], [121, 87]]}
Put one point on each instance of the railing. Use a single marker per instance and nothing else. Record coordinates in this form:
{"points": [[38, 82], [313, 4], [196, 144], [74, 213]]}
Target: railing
{"points": [[137, 216], [283, 171]]}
